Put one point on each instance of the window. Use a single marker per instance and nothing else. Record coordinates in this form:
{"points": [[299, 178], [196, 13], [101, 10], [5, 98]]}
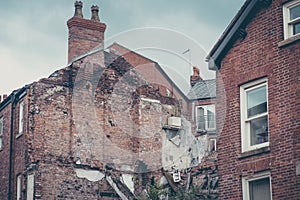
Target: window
{"points": [[254, 115], [1, 133], [212, 145], [205, 118], [257, 188], [30, 187], [291, 18], [21, 117], [19, 188], [168, 93]]}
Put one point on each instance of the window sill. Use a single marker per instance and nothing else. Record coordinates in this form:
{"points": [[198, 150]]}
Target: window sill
{"points": [[19, 135], [289, 41], [254, 152]]}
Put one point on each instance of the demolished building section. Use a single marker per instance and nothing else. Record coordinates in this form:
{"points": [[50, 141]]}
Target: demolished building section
{"points": [[101, 129]]}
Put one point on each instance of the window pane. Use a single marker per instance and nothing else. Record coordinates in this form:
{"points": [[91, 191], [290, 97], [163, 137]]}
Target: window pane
{"points": [[1, 126], [212, 145], [18, 187], [201, 119], [260, 189], [296, 29], [259, 130], [256, 101], [21, 112], [210, 119], [30, 187], [295, 12], [0, 142]]}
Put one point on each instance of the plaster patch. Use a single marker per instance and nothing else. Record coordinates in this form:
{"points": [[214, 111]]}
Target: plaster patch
{"points": [[91, 175], [127, 179]]}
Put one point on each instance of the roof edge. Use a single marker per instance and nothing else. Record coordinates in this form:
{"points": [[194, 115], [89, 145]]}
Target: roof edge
{"points": [[18, 94], [171, 81], [129, 50]]}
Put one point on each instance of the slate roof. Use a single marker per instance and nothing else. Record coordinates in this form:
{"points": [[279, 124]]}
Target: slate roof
{"points": [[205, 89]]}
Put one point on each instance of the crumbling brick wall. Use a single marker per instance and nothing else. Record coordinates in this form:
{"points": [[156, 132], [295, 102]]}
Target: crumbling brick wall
{"points": [[58, 143]]}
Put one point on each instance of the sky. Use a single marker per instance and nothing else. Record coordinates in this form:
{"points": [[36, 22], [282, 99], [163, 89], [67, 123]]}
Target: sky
{"points": [[34, 34]]}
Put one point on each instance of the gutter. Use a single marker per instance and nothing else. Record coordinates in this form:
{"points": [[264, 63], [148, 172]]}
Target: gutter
{"points": [[10, 177]]}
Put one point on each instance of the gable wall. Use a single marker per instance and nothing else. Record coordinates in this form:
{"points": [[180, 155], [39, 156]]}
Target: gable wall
{"points": [[258, 55]]}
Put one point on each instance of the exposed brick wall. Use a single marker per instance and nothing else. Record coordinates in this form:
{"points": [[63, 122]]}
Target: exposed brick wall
{"points": [[4, 153], [258, 55], [59, 181], [151, 73], [50, 143]]}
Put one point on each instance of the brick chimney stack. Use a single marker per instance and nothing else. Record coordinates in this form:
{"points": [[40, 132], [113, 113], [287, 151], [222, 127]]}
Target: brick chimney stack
{"points": [[84, 34], [195, 77]]}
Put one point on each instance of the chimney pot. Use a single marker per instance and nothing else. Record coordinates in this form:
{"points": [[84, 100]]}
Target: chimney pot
{"points": [[4, 96], [195, 77], [196, 71], [95, 15], [78, 9]]}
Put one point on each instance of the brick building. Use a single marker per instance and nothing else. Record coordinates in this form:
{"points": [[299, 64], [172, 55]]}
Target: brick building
{"points": [[202, 98], [104, 127], [257, 60]]}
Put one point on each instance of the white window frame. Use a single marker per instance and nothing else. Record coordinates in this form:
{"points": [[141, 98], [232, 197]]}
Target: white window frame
{"points": [[287, 23], [247, 180], [205, 114], [245, 126], [1, 133], [168, 93], [21, 118], [214, 140], [19, 186], [30, 187]]}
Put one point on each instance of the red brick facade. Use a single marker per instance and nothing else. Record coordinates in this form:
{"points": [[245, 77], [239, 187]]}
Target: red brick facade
{"points": [[260, 54], [14, 160]]}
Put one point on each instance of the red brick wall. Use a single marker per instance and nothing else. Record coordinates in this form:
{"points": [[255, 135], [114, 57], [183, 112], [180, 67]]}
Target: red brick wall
{"points": [[20, 146], [258, 55], [4, 153], [19, 149], [148, 69]]}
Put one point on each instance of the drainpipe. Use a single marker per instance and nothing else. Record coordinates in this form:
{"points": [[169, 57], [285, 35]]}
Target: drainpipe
{"points": [[10, 180]]}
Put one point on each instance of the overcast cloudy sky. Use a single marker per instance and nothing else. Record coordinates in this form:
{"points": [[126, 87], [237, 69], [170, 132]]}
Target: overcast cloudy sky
{"points": [[33, 35]]}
